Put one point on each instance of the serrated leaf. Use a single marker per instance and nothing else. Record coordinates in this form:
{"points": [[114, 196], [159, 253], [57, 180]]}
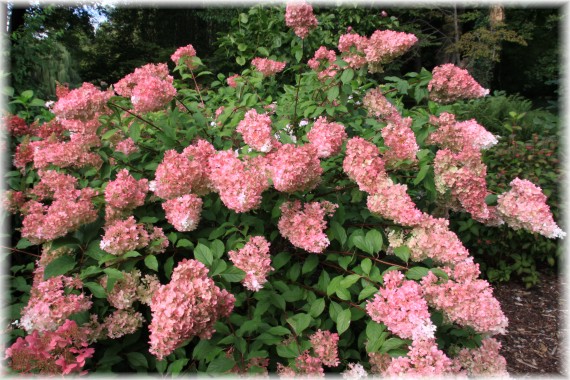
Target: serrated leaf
{"points": [[421, 174], [334, 285], [203, 255], [332, 93], [374, 239], [343, 321], [391, 344], [310, 264], [23, 243], [97, 290], [59, 266], [338, 232], [367, 292], [233, 274], [416, 273], [299, 322], [349, 280], [347, 75], [136, 359], [403, 252], [151, 262], [361, 243], [279, 330], [317, 307], [221, 365], [184, 243], [366, 265], [217, 248]]}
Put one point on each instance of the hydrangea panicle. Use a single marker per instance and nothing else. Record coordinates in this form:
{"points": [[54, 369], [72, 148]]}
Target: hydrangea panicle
{"points": [[254, 260], [183, 212], [326, 137], [325, 346], [256, 131], [185, 54], [295, 168], [268, 67], [124, 235], [450, 83], [385, 45], [299, 16]]}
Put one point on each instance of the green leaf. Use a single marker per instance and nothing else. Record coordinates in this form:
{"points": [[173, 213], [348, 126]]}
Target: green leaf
{"points": [[310, 264], [347, 75], [184, 243], [263, 50], [363, 244], [439, 273], [343, 321], [136, 359], [334, 285], [367, 292], [403, 252], [317, 307], [366, 265], [233, 274], [280, 260], [23, 243], [217, 248], [332, 93], [221, 365], [491, 199], [176, 366], [374, 239], [299, 322], [289, 351], [349, 280], [338, 232], [422, 174], [203, 255], [375, 332], [59, 266], [97, 290], [391, 343], [240, 60], [416, 273], [279, 330], [151, 262]]}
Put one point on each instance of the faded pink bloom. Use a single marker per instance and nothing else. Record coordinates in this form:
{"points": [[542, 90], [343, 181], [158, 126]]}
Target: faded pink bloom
{"points": [[325, 345], [464, 299], [124, 290], [524, 206], [354, 371], [362, 163], [122, 322], [232, 80], [459, 135], [268, 67], [199, 153], [49, 305], [295, 168], [352, 46], [450, 83], [84, 103], [188, 306], [299, 16], [178, 174], [309, 365], [256, 131], [385, 45], [125, 192], [401, 142], [239, 183], [74, 153], [423, 359], [149, 87], [158, 241], [326, 137], [124, 235], [304, 225], [126, 146], [183, 212], [254, 260], [185, 54], [15, 125], [378, 106], [323, 63], [52, 127], [400, 305], [391, 201], [483, 361]]}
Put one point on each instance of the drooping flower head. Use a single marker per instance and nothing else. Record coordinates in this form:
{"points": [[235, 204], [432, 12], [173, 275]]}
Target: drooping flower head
{"points": [[84, 103], [188, 306], [184, 54], [299, 16], [183, 212], [295, 168], [326, 137], [325, 345], [323, 63], [385, 45], [254, 260], [256, 131], [352, 46], [450, 83], [268, 67]]}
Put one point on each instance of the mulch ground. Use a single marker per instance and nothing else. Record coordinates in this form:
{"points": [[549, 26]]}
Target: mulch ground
{"points": [[533, 343]]}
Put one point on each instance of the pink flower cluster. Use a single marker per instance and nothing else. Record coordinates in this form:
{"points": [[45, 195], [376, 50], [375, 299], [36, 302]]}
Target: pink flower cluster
{"points": [[392, 201], [385, 45], [325, 346], [268, 67], [323, 62], [304, 225], [69, 209], [149, 87], [63, 351], [73, 153], [126, 146], [124, 194], [254, 260], [326, 137], [524, 206], [483, 361], [185, 54], [15, 125], [256, 131], [306, 365], [181, 173], [232, 80], [434, 240], [45, 130], [464, 299], [239, 183], [122, 322], [183, 212], [124, 291], [300, 17], [49, 305], [352, 46], [400, 140], [122, 236], [84, 103], [363, 164], [459, 135], [450, 83], [401, 307], [295, 168], [188, 306], [378, 106], [424, 359]]}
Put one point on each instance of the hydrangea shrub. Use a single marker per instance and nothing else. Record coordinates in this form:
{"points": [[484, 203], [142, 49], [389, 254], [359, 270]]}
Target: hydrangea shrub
{"points": [[248, 227]]}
